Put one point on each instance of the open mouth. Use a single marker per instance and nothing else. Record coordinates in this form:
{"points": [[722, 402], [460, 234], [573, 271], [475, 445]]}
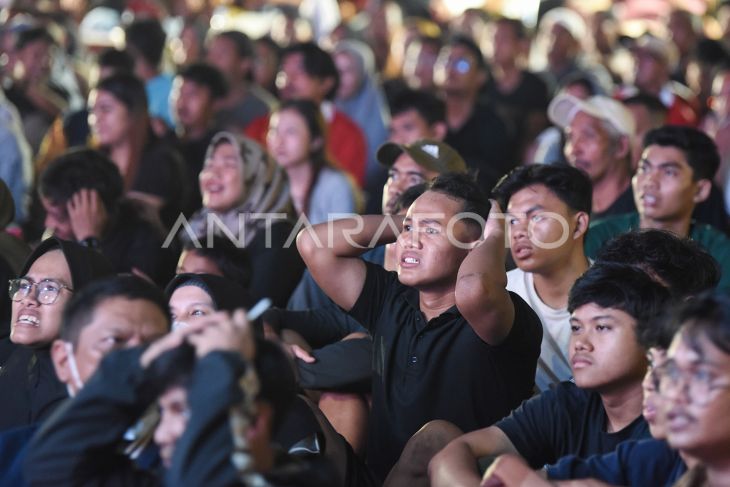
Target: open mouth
{"points": [[28, 320]]}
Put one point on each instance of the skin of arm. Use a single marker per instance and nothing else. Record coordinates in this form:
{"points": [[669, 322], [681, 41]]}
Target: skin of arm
{"points": [[457, 463], [480, 285], [336, 267]]}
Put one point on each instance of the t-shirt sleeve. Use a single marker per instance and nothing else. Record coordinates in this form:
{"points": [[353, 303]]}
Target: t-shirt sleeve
{"points": [[532, 428], [525, 335], [378, 288]]}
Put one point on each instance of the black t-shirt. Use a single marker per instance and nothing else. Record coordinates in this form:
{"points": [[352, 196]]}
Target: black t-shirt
{"points": [[621, 205], [484, 143], [566, 420], [438, 369]]}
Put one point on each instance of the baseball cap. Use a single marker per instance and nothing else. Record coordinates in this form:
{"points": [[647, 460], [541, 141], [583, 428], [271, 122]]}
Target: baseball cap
{"points": [[661, 49], [568, 19], [430, 154], [564, 107]]}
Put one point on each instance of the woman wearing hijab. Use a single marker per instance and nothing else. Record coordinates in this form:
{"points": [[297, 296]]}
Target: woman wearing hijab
{"points": [[13, 253], [360, 97], [194, 295], [246, 196], [55, 269]]}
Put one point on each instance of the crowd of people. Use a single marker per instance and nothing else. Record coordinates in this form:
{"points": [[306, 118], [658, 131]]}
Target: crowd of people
{"points": [[364, 243]]}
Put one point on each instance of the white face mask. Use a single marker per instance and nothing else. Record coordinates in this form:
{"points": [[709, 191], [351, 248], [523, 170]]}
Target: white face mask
{"points": [[178, 324], [78, 383]]}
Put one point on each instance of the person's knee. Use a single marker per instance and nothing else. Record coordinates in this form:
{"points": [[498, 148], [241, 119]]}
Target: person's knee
{"points": [[426, 443]]}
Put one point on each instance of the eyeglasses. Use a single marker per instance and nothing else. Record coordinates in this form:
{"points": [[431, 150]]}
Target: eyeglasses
{"points": [[461, 65], [698, 383], [47, 290]]}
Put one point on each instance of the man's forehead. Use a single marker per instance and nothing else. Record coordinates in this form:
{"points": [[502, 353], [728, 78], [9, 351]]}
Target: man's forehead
{"points": [[434, 205]]}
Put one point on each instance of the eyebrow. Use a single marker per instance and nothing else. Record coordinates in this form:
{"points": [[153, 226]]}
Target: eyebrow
{"points": [[529, 210], [676, 164]]}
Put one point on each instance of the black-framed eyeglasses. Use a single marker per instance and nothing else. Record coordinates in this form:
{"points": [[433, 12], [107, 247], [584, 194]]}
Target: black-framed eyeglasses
{"points": [[47, 290]]}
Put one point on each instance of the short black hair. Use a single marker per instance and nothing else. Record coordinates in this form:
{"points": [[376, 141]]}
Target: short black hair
{"points": [[204, 74], [653, 104], [317, 63], [706, 315], [116, 59], [34, 34], [572, 186], [233, 261], [430, 107], [463, 187], [79, 311], [242, 43], [699, 149], [518, 27], [274, 370], [128, 89], [581, 79], [660, 332], [146, 38], [407, 197], [622, 287], [680, 264], [710, 51], [471, 46], [78, 169]]}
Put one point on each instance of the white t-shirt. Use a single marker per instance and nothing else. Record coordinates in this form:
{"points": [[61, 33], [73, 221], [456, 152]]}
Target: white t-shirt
{"points": [[553, 365]]}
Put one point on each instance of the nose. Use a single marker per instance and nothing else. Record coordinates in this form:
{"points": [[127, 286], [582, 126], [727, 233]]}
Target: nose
{"points": [[164, 432], [582, 343], [409, 240]]}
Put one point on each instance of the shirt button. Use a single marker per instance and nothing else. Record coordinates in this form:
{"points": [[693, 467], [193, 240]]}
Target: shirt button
{"points": [[414, 359]]}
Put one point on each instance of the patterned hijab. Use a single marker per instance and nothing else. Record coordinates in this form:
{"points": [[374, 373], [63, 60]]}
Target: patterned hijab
{"points": [[265, 190]]}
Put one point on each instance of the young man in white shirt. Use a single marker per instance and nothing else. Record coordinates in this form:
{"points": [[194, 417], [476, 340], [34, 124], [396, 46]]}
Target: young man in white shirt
{"points": [[547, 211]]}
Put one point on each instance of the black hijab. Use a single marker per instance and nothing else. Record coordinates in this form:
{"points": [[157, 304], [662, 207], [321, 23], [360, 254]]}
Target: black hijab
{"points": [[226, 294]]}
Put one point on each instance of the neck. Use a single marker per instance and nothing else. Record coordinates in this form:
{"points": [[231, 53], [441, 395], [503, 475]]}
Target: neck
{"points": [[195, 132], [679, 227], [507, 76], [622, 405], [237, 91], [609, 188], [433, 302], [300, 180], [553, 285], [459, 107]]}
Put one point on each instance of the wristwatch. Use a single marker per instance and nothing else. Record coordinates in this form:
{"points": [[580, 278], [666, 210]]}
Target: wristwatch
{"points": [[91, 242]]}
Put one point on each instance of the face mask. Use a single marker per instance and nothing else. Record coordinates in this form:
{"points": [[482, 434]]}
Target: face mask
{"points": [[78, 383], [178, 324]]}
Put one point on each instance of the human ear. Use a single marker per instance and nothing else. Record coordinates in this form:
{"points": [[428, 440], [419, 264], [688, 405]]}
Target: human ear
{"points": [[704, 186]]}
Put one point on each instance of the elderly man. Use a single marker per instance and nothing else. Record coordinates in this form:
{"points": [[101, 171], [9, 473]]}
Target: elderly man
{"points": [[598, 133]]}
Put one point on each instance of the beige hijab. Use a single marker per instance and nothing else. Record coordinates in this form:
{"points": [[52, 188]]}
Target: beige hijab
{"points": [[265, 190]]}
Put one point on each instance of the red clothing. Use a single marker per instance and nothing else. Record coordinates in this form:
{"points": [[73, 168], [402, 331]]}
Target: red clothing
{"points": [[345, 143], [681, 103]]}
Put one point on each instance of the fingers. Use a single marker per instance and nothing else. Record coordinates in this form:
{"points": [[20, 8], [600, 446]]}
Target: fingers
{"points": [[302, 354]]}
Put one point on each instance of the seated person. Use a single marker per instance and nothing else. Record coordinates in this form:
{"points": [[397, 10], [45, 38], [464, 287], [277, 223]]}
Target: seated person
{"points": [[675, 173], [246, 199], [688, 414], [108, 314], [548, 211], [51, 274], [444, 314], [610, 305], [83, 194], [223, 259], [202, 442]]}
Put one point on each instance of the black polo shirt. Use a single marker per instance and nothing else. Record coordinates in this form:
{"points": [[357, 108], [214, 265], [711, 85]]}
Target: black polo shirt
{"points": [[438, 369]]}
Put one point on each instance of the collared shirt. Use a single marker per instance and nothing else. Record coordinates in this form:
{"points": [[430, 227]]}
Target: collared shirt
{"points": [[437, 369]]}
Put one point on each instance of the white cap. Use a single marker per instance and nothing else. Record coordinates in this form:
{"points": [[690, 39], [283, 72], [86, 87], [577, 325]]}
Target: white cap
{"points": [[98, 26], [568, 19], [564, 107]]}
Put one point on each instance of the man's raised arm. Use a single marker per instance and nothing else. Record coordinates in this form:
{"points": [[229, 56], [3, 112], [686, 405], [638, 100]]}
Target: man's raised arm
{"points": [[480, 285], [331, 251]]}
